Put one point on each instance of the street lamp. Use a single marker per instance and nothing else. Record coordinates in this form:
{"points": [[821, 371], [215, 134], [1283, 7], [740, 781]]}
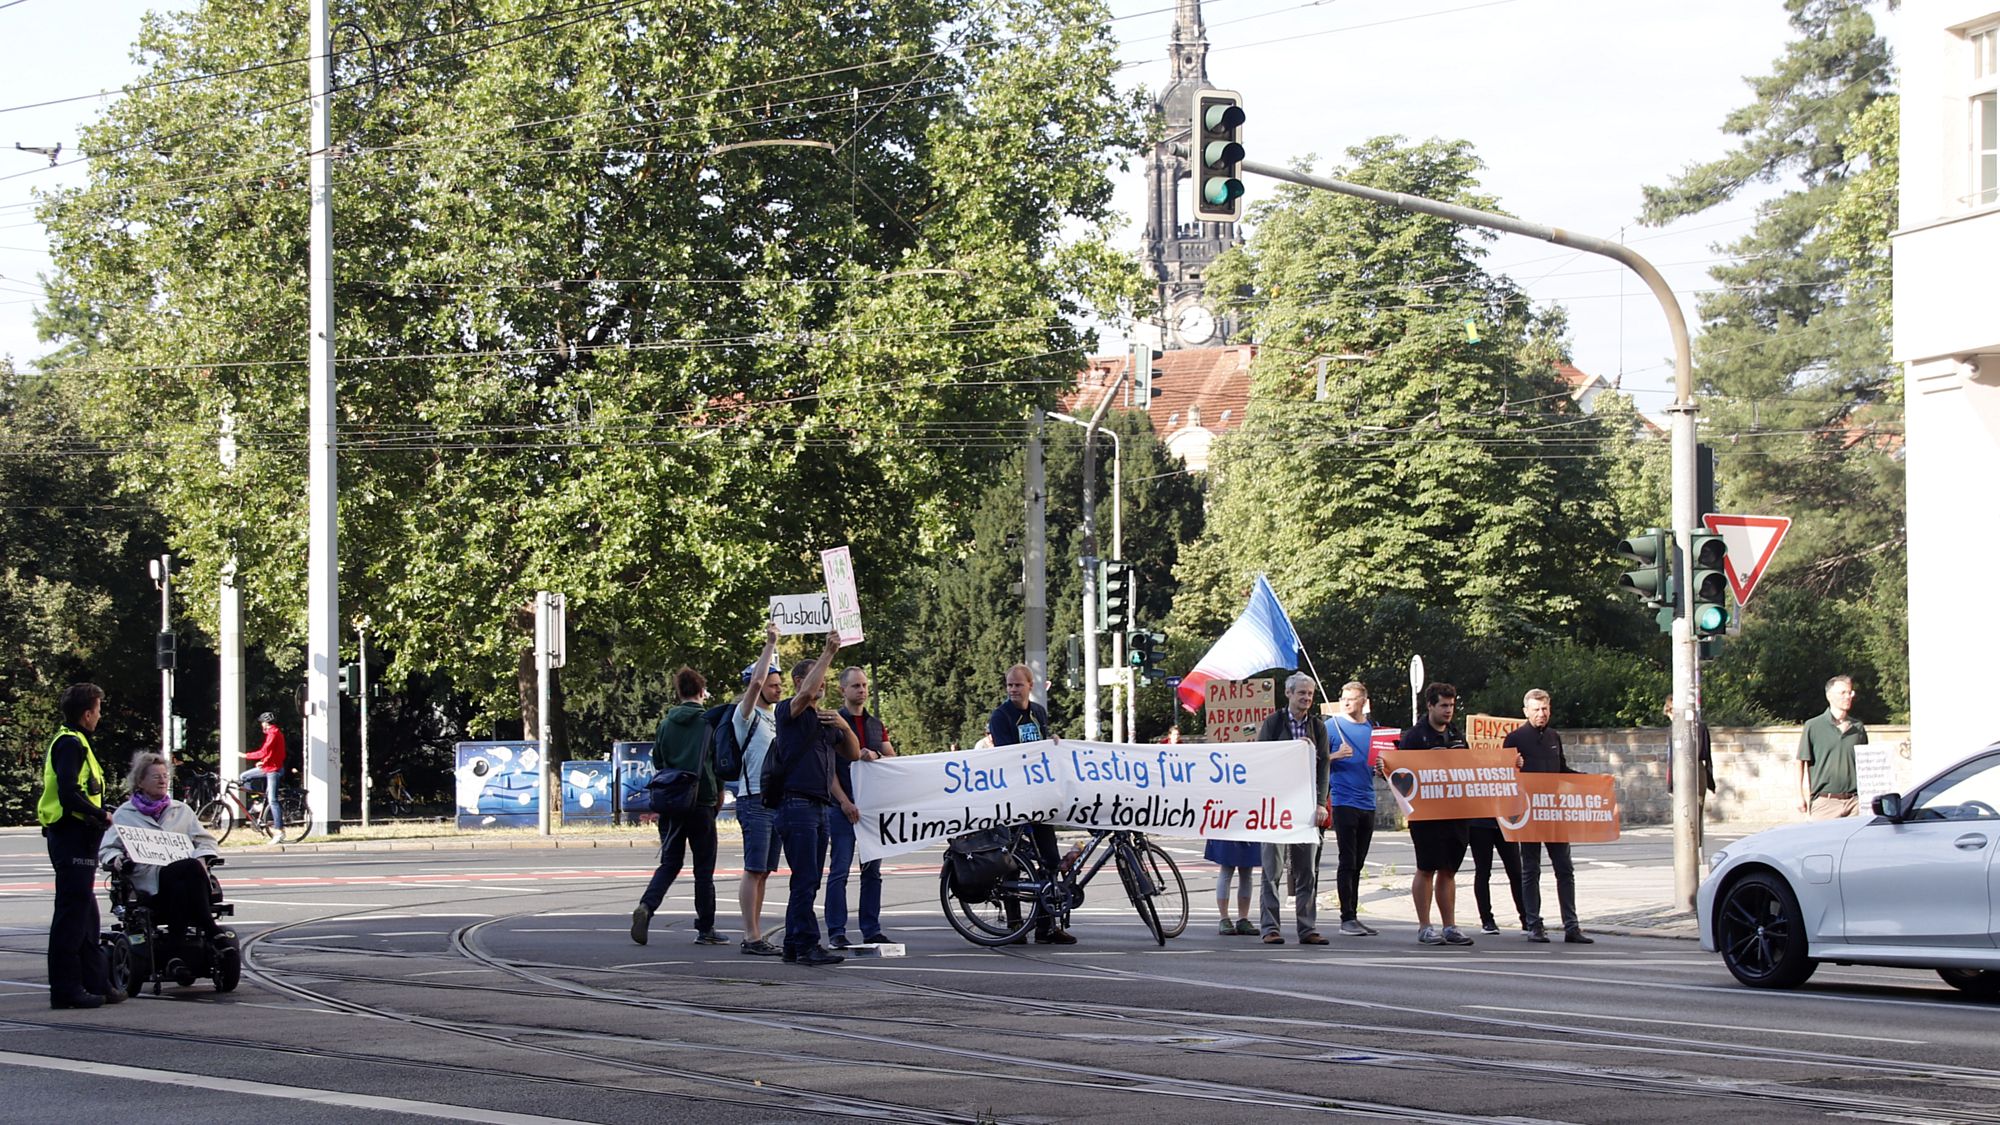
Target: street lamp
{"points": [[1128, 719]]}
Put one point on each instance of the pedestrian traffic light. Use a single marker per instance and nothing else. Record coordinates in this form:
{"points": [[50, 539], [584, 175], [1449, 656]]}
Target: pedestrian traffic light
{"points": [[1118, 588], [1652, 576], [1708, 585], [1146, 651], [350, 679], [1218, 155], [163, 650]]}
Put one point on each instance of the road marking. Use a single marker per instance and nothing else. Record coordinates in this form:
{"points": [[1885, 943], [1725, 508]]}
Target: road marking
{"points": [[297, 902], [1542, 1013], [285, 1093], [410, 933], [453, 972]]}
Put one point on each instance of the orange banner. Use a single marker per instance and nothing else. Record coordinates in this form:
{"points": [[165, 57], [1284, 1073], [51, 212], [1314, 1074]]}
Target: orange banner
{"points": [[1565, 808], [1487, 732], [1454, 784]]}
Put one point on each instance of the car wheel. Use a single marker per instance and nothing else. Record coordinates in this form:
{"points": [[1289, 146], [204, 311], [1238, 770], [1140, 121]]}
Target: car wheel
{"points": [[1762, 933], [1983, 983]]}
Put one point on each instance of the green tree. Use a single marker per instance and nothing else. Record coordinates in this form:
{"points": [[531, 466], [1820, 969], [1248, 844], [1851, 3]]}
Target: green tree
{"points": [[589, 341], [1798, 393], [1449, 468]]}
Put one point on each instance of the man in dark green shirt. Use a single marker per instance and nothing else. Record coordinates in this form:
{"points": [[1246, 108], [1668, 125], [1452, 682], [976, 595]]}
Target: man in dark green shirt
{"points": [[1826, 755]]}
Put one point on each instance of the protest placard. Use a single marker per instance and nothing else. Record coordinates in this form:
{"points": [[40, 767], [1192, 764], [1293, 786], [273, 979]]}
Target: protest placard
{"points": [[846, 605], [1233, 709], [1565, 808], [795, 614], [1454, 784], [1874, 774], [1259, 791], [155, 846], [1488, 732]]}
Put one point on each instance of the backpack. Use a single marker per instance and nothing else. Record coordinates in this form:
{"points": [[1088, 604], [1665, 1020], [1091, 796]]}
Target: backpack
{"points": [[670, 792], [727, 751]]}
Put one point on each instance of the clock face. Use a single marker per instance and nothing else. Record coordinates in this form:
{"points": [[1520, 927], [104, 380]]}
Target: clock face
{"points": [[1195, 325]]}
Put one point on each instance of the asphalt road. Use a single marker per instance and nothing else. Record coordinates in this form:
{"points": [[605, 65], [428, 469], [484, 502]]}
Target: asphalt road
{"points": [[502, 986]]}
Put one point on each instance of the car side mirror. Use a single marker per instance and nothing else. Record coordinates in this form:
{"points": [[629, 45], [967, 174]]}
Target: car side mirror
{"points": [[1889, 805]]}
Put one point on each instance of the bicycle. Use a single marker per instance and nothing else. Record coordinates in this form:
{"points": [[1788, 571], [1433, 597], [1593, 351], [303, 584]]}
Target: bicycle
{"points": [[395, 799], [232, 805], [1149, 875]]}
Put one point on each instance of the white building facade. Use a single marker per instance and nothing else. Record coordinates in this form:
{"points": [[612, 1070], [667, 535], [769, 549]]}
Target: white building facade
{"points": [[1947, 336]]}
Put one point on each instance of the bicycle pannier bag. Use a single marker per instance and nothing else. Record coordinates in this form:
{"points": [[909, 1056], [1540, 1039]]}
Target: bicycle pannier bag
{"points": [[980, 860]]}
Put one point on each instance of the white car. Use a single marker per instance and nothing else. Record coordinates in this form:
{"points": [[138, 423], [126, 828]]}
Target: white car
{"points": [[1915, 885]]}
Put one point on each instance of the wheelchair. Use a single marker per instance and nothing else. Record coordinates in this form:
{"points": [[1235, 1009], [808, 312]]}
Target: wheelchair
{"points": [[139, 949]]}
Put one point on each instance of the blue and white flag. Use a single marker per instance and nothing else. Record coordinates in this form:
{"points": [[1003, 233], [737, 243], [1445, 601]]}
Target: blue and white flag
{"points": [[1261, 639]]}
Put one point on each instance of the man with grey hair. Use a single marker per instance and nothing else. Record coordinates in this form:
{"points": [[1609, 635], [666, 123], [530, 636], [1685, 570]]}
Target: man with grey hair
{"points": [[1297, 721], [1826, 755], [1538, 748]]}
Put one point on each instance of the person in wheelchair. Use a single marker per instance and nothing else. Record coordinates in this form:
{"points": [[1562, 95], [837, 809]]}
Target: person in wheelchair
{"points": [[179, 894]]}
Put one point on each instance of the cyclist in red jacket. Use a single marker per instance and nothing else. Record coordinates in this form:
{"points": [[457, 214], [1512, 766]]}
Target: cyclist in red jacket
{"points": [[268, 762]]}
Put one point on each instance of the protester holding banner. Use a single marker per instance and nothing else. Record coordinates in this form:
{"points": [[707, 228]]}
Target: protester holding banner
{"points": [[874, 745], [1300, 862], [802, 768], [756, 720], [1541, 749], [179, 890], [1351, 791], [681, 743], [1020, 719], [1440, 844]]}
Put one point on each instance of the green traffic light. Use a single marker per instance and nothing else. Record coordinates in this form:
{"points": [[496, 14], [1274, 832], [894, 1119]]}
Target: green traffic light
{"points": [[1221, 190], [1711, 619]]}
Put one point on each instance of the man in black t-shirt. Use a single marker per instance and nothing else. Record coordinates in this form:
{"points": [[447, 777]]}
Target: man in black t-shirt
{"points": [[1540, 750], [1020, 719], [1440, 844], [804, 750]]}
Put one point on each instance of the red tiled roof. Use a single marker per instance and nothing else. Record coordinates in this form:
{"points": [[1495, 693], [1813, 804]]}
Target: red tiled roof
{"points": [[1215, 380]]}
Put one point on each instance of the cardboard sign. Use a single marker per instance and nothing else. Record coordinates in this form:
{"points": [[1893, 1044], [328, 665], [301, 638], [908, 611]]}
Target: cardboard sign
{"points": [[1488, 732], [796, 614], [154, 846], [1258, 791], [1565, 808], [839, 571], [1454, 784], [1234, 709]]}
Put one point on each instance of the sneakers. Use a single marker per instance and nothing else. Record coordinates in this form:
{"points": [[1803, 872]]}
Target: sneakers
{"points": [[1353, 927], [642, 919], [1430, 935], [1575, 936], [1455, 936], [1227, 928], [78, 1000], [1312, 938], [1056, 937], [710, 937], [1246, 928], [761, 948], [878, 938], [1537, 933], [1489, 926], [815, 957], [838, 941]]}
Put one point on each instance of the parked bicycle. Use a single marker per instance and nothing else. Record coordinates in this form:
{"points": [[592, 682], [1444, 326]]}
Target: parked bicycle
{"points": [[231, 805], [994, 886]]}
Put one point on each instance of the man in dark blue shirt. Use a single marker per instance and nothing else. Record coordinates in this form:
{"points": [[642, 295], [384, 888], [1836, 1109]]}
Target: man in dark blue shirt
{"points": [[1020, 719], [803, 753], [1440, 844], [874, 746]]}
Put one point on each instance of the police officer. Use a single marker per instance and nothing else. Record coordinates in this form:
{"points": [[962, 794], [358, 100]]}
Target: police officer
{"points": [[73, 819]]}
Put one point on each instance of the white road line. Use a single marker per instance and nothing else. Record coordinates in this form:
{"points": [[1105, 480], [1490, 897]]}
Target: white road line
{"points": [[284, 1093], [295, 902], [410, 933], [1541, 1013], [453, 972]]}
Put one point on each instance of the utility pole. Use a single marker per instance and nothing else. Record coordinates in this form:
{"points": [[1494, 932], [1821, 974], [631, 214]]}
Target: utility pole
{"points": [[1123, 715], [322, 736], [551, 626], [229, 622], [1035, 566], [162, 570], [1686, 659], [361, 637], [1089, 559]]}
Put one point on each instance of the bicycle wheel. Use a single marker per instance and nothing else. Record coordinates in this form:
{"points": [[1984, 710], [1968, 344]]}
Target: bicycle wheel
{"points": [[217, 818], [1139, 888], [298, 818], [1169, 889], [984, 921]]}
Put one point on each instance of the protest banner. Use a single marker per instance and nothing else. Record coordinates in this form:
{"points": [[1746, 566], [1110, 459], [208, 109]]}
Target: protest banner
{"points": [[1232, 710], [846, 605], [1565, 808], [1488, 732], [154, 846], [795, 614], [1874, 774], [1383, 738], [1259, 791], [1454, 784]]}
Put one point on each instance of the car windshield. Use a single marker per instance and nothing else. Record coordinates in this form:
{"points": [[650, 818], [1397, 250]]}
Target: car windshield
{"points": [[1968, 791]]}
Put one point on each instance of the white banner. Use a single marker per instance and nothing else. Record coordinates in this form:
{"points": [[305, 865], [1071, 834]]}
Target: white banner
{"points": [[839, 570], [154, 846], [1260, 791], [795, 614]]}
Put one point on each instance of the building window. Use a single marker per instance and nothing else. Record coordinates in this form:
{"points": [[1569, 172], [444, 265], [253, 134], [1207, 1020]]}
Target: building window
{"points": [[1985, 123]]}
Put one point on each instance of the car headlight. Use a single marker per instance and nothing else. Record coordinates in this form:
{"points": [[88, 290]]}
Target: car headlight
{"points": [[1715, 859]]}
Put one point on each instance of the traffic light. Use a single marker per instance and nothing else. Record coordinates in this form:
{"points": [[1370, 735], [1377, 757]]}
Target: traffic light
{"points": [[1143, 359], [350, 679], [1652, 576], [163, 650], [1218, 154], [1118, 588], [1708, 585], [1073, 666], [1146, 652]]}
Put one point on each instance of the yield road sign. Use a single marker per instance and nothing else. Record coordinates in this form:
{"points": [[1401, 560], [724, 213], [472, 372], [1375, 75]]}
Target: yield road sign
{"points": [[1751, 540]]}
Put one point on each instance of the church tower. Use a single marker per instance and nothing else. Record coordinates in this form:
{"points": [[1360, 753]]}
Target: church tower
{"points": [[1177, 254]]}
